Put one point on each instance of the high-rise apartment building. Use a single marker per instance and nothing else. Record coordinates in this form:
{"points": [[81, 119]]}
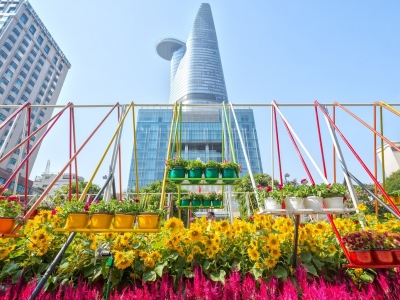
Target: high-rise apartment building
{"points": [[196, 77], [32, 69]]}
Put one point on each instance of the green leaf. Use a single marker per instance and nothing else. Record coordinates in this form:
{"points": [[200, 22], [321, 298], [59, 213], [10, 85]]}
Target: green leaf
{"points": [[159, 269], [218, 276], [88, 270], [305, 257], [64, 265], [318, 263], [366, 278], [280, 272], [188, 274], [311, 269], [257, 272], [174, 255], [16, 276], [10, 267], [206, 264], [149, 276]]}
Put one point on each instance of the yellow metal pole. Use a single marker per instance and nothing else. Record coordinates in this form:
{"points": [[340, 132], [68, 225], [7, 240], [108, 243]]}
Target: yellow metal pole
{"points": [[164, 184], [104, 155], [135, 151], [382, 150]]}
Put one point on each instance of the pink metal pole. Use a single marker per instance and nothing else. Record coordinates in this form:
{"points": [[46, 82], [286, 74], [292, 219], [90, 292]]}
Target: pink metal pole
{"points": [[360, 160], [76, 159], [277, 147], [320, 142], [21, 108], [70, 155], [28, 154]]}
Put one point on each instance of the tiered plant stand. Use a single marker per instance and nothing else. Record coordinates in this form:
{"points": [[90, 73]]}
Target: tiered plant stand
{"points": [[9, 235], [80, 230]]}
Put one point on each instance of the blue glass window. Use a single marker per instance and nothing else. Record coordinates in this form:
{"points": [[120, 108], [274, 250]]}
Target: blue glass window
{"points": [[11, 10], [3, 54], [44, 86], [14, 65], [32, 29], [17, 57], [60, 67], [55, 59], [20, 48], [28, 90], [42, 114], [2, 117], [7, 109], [38, 121], [50, 73], [18, 82], [15, 30], [40, 39], [53, 86], [30, 59], [34, 75], [13, 161], [41, 62], [33, 138], [27, 67], [41, 93], [24, 18], [37, 68], [17, 151], [25, 43], [9, 73], [12, 39], [31, 83], [8, 46], [1, 91], [47, 99], [28, 37], [15, 90], [47, 79], [10, 98], [47, 49], [36, 47], [22, 74], [4, 80], [33, 52], [20, 26], [24, 98]]}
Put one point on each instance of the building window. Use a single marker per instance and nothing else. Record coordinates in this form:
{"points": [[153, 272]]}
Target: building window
{"points": [[17, 151], [12, 39], [6, 132], [3, 54], [13, 161], [28, 90], [17, 57], [25, 43], [60, 67], [24, 98], [18, 82], [38, 121], [20, 48], [24, 18], [41, 93], [41, 113], [47, 99], [47, 79], [41, 62], [1, 91], [27, 67], [33, 138], [8, 46], [40, 39], [33, 52], [32, 115], [31, 83], [11, 10], [36, 47], [6, 109], [47, 49], [9, 73], [2, 117], [22, 74], [32, 29], [55, 59], [10, 98], [28, 37], [30, 59], [50, 73], [55, 80], [34, 75], [15, 90], [15, 30], [14, 65], [44, 86], [37, 68], [1, 64], [53, 86], [37, 101], [4, 80]]}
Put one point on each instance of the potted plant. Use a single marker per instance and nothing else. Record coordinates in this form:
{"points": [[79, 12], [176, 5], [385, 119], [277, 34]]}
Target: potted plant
{"points": [[381, 248], [76, 214], [177, 168], [313, 196], [195, 169], [149, 217], [214, 198], [9, 211], [101, 214], [394, 240], [195, 198], [293, 195], [212, 169], [334, 195], [265, 193], [125, 212], [359, 244], [230, 170]]}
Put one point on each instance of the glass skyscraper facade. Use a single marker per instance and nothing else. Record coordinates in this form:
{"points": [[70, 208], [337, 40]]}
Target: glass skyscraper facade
{"points": [[196, 77]]}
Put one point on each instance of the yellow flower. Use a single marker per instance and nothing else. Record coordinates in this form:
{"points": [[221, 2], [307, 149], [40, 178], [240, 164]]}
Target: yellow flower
{"points": [[196, 249], [361, 207], [269, 263], [195, 235], [189, 258], [253, 254], [156, 255], [254, 244], [258, 265], [149, 262], [273, 241], [358, 272], [224, 225], [275, 252], [174, 223], [331, 249], [123, 259]]}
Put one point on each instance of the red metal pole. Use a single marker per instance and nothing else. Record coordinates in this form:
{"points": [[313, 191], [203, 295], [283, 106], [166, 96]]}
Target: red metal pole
{"points": [[28, 153], [320, 141], [333, 147], [277, 146], [375, 162], [21, 108], [360, 161]]}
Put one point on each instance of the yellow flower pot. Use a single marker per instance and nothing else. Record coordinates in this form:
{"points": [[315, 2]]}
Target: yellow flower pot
{"points": [[6, 224], [124, 221], [77, 220], [148, 220], [100, 221]]}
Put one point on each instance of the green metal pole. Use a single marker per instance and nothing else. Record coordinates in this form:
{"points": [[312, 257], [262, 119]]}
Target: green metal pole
{"points": [[229, 134], [180, 129]]}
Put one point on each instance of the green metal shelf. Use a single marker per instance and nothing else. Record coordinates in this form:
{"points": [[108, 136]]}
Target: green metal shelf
{"points": [[200, 207], [219, 181]]}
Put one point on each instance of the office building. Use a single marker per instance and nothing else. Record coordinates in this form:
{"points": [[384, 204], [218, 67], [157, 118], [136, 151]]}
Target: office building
{"points": [[391, 157], [196, 78], [32, 69]]}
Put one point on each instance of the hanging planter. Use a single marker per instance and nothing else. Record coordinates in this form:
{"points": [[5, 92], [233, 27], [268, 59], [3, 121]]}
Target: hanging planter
{"points": [[382, 257], [217, 203], [229, 173], [77, 220], [294, 203], [206, 202], [177, 172], [100, 221], [196, 202], [195, 173], [211, 173], [313, 202], [6, 225], [184, 202], [361, 257], [123, 221], [334, 202], [271, 203], [148, 220]]}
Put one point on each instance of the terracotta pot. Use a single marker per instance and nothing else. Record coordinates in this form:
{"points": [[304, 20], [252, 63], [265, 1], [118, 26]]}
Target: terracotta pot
{"points": [[124, 221], [382, 257], [361, 257], [77, 220], [100, 221], [6, 224], [148, 220]]}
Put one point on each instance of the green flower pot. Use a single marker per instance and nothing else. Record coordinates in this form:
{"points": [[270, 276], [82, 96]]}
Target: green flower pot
{"points": [[206, 202], [195, 173], [185, 202], [229, 173], [196, 202], [177, 172], [211, 173], [217, 202]]}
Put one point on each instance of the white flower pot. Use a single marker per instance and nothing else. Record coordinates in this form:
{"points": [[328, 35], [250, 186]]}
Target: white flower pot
{"points": [[334, 202], [313, 202], [294, 203], [270, 203]]}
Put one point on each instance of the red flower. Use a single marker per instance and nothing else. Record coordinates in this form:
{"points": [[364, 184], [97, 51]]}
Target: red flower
{"points": [[137, 200], [13, 198], [269, 188]]}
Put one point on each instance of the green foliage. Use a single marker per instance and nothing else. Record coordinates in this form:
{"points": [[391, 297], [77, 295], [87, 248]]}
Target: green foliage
{"points": [[10, 208], [73, 206], [176, 162], [392, 182], [231, 165], [101, 206], [93, 189], [127, 206], [213, 164], [195, 164]]}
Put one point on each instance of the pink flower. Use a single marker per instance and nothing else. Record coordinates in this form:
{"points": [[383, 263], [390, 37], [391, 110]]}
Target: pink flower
{"points": [[304, 181], [269, 189], [280, 186], [86, 207], [53, 212], [137, 200]]}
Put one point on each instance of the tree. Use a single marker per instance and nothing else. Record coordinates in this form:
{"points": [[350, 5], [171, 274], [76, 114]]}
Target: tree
{"points": [[93, 189], [246, 186], [393, 182]]}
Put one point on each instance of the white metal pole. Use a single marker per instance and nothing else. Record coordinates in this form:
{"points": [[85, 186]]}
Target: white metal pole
{"points": [[272, 146]]}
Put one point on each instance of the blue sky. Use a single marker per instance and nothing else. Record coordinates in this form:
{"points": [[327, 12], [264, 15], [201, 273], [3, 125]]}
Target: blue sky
{"points": [[288, 51]]}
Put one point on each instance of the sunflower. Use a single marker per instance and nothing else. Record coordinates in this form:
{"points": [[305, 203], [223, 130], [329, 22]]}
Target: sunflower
{"points": [[331, 249], [209, 253], [224, 224], [173, 224], [253, 254], [195, 235], [258, 265], [254, 244], [149, 262], [269, 262], [196, 249], [189, 258], [156, 255], [123, 259], [273, 241], [275, 252]]}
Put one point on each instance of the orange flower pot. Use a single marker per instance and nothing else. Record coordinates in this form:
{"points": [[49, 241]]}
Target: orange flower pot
{"points": [[124, 221], [361, 257], [382, 257], [6, 224], [396, 255], [148, 220], [100, 221], [77, 220]]}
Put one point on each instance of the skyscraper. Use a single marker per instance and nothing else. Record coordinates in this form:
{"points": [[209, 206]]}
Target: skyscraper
{"points": [[196, 77], [32, 69]]}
